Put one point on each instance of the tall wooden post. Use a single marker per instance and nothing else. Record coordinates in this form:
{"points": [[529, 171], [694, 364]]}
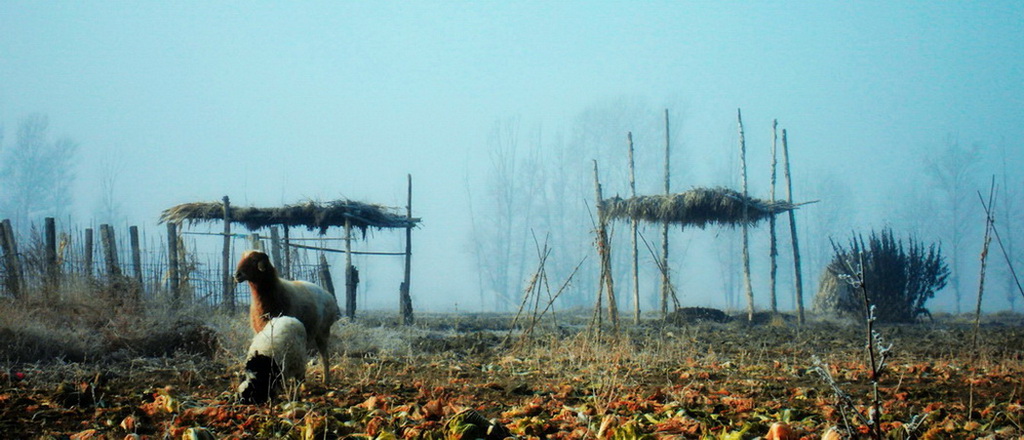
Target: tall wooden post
{"points": [[11, 260], [633, 231], [133, 233], [405, 299], [228, 293], [601, 243], [350, 277], [773, 247], [172, 261], [89, 244], [666, 279], [746, 232], [797, 273], [110, 250], [52, 271]]}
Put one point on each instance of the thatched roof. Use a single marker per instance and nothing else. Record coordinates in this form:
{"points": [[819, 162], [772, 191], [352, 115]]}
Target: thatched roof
{"points": [[696, 207], [312, 215]]}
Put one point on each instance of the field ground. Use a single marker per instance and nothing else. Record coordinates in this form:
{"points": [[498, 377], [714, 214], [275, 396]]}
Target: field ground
{"points": [[703, 380]]}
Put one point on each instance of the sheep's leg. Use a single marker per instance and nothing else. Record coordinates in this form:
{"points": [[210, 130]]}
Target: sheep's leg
{"points": [[321, 346]]}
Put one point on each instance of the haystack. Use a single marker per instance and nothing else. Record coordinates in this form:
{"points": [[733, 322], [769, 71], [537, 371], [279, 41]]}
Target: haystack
{"points": [[311, 214], [696, 207]]}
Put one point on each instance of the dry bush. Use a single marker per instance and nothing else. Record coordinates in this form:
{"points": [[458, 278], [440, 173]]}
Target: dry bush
{"points": [[900, 275], [95, 320]]}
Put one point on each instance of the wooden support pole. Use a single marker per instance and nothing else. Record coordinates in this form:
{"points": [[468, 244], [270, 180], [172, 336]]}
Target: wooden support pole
{"points": [[172, 261], [633, 231], [52, 271], [133, 234], [746, 231], [228, 293], [350, 280], [110, 250], [666, 279], [89, 252], [287, 269], [773, 251], [405, 299], [797, 273], [275, 245], [255, 242], [7, 269], [12, 263]]}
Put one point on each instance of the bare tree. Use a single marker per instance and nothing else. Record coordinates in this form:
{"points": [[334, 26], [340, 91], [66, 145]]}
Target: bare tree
{"points": [[1011, 212], [501, 233], [542, 185], [109, 208], [829, 218], [37, 172], [954, 171]]}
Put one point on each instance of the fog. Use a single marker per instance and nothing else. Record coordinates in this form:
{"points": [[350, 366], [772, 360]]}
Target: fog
{"points": [[276, 103]]}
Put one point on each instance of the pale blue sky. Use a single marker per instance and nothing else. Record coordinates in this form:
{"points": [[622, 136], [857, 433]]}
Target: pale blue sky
{"points": [[274, 102]]}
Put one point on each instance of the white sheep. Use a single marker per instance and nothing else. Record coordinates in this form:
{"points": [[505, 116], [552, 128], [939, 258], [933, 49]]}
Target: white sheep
{"points": [[277, 353], [272, 296]]}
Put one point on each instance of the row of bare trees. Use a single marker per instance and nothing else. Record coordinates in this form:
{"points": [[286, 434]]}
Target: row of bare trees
{"points": [[538, 185]]}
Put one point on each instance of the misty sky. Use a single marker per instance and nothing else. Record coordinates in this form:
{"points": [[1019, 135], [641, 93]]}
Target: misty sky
{"points": [[278, 102]]}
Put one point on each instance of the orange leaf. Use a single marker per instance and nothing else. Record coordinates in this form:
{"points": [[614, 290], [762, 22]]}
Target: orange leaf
{"points": [[88, 434], [780, 431]]}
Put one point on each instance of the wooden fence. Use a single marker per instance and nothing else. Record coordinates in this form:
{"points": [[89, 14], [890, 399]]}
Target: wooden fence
{"points": [[47, 263]]}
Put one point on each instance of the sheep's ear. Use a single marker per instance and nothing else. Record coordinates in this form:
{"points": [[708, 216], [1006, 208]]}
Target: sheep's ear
{"points": [[263, 265]]}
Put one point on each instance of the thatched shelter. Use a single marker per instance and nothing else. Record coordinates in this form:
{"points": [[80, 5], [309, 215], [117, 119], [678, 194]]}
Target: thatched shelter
{"points": [[313, 215], [696, 207]]}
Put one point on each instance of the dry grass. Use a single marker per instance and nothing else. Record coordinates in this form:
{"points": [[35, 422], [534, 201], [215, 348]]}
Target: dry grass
{"points": [[87, 320]]}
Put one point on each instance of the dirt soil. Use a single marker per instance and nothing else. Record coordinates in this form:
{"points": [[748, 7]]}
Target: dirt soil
{"points": [[433, 381]]}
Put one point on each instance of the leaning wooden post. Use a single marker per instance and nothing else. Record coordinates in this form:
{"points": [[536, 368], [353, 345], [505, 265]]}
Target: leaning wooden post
{"points": [[773, 251], [666, 280], [52, 271], [633, 227], [11, 262], [172, 261], [350, 281], [325, 274], [405, 300], [746, 232], [604, 250], [133, 233], [989, 224], [797, 273], [228, 294], [89, 244], [110, 250]]}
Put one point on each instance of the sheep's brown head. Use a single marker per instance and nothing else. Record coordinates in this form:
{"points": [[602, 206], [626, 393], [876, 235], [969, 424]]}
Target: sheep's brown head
{"points": [[254, 266]]}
